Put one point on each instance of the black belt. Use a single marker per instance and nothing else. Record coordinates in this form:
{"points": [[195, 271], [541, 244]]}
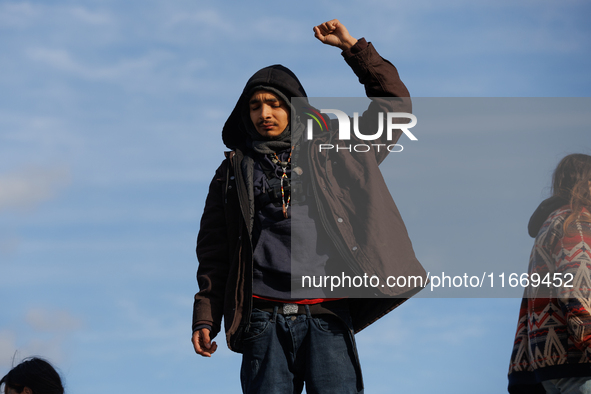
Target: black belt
{"points": [[283, 308]]}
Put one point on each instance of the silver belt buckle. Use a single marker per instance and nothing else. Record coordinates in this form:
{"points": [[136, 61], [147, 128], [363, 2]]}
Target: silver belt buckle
{"points": [[290, 309]]}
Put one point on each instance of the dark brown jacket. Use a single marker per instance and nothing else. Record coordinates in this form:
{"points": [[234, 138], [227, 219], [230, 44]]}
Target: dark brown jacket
{"points": [[361, 218]]}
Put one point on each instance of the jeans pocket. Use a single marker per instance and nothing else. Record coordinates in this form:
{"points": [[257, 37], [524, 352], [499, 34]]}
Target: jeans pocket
{"points": [[330, 324], [259, 322]]}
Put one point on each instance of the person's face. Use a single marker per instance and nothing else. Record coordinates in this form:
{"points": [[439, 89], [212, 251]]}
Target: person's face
{"points": [[268, 113]]}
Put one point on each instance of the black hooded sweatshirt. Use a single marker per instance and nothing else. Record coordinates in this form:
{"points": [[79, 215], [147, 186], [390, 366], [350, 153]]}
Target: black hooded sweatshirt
{"points": [[272, 239]]}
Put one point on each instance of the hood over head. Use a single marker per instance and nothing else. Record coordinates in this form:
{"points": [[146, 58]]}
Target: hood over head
{"points": [[278, 78], [544, 210]]}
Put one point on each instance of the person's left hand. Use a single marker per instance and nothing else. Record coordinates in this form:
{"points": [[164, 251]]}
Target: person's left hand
{"points": [[334, 33]]}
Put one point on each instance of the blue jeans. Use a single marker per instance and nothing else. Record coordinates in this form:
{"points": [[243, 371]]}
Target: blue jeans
{"points": [[280, 353], [568, 386]]}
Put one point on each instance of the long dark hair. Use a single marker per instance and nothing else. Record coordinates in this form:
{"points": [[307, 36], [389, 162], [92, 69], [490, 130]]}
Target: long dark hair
{"points": [[571, 181], [36, 374]]}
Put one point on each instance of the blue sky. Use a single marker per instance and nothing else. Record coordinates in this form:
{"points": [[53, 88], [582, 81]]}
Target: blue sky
{"points": [[110, 124]]}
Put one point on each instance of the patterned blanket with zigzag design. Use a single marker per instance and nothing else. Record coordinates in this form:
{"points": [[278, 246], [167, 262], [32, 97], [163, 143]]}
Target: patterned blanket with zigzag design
{"points": [[554, 327]]}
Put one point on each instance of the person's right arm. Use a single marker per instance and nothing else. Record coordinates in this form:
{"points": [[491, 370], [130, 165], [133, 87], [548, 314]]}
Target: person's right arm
{"points": [[202, 343], [212, 274]]}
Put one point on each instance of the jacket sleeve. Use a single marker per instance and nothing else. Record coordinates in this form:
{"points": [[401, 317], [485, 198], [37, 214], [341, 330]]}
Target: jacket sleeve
{"points": [[377, 74], [384, 87], [573, 259], [213, 256]]}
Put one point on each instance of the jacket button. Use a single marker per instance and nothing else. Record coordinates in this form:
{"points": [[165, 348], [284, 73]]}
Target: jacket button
{"points": [[232, 178], [340, 220], [354, 248]]}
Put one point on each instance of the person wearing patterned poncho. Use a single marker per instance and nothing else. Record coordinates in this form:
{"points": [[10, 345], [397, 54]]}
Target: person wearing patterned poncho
{"points": [[552, 352]]}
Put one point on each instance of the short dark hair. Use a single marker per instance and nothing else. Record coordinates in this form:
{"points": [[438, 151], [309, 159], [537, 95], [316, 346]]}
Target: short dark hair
{"points": [[36, 374]]}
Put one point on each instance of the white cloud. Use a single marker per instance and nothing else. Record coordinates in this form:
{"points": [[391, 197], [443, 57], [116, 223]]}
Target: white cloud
{"points": [[7, 347], [24, 14], [28, 187], [93, 18], [19, 14], [430, 5], [211, 25], [51, 331], [8, 246], [210, 19], [292, 31], [58, 58], [52, 320], [63, 60], [12, 351]]}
